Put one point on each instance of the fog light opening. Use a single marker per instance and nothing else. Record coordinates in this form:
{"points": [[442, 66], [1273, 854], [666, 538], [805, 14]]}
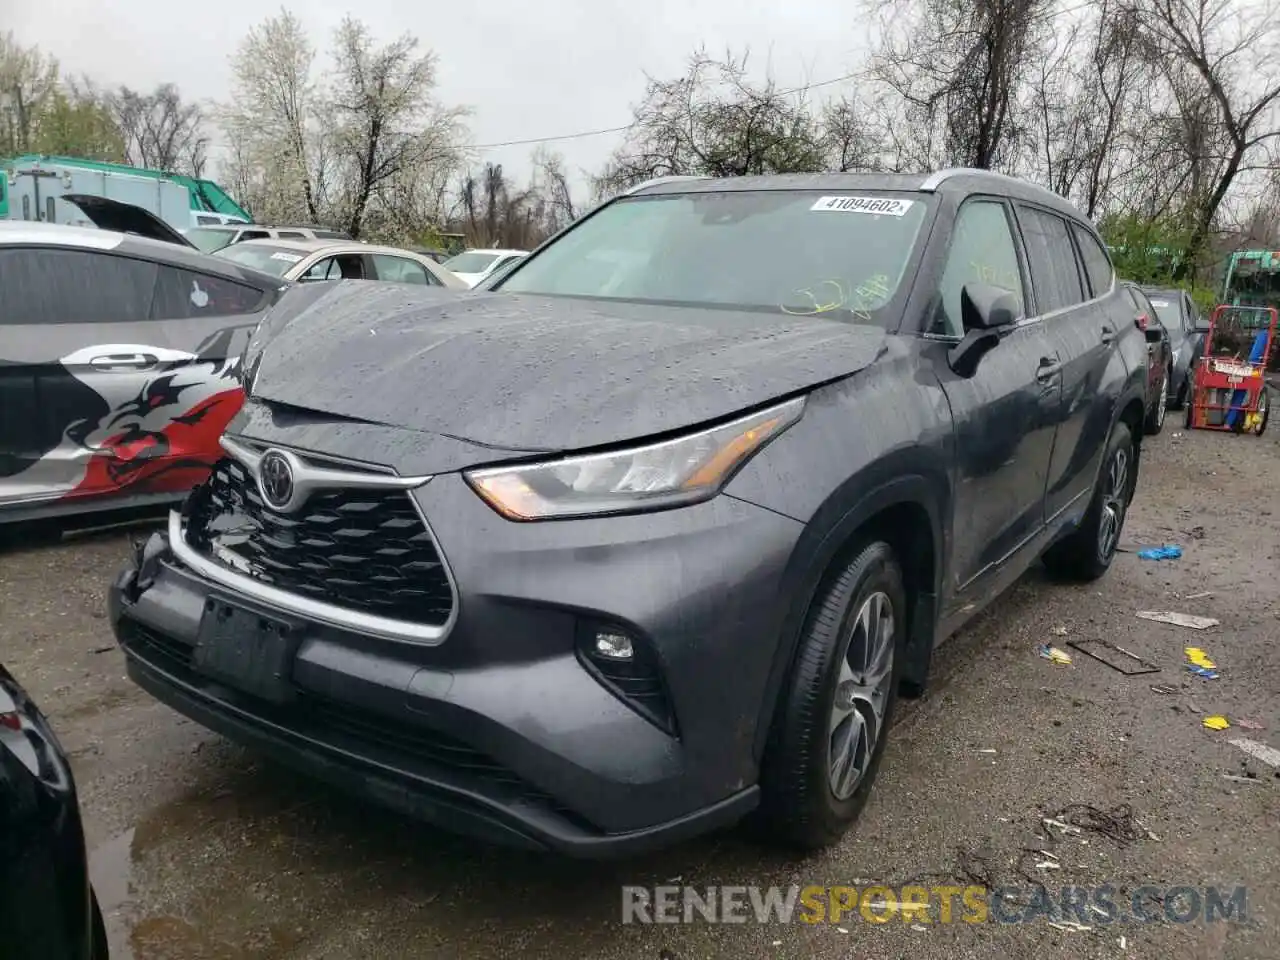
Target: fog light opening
{"points": [[614, 645]]}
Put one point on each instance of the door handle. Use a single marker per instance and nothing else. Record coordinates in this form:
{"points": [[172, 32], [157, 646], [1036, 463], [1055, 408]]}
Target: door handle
{"points": [[1108, 336], [1047, 370], [124, 361]]}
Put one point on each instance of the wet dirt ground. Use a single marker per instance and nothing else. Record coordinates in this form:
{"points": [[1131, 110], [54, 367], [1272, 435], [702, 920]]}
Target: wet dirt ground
{"points": [[200, 851]]}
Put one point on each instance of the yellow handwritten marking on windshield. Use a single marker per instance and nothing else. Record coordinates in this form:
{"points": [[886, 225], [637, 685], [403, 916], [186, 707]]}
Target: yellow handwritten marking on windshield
{"points": [[815, 306]]}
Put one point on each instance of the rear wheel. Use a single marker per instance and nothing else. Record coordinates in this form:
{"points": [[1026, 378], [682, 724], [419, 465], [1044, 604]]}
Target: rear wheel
{"points": [[1087, 553], [833, 722], [1155, 416], [1264, 411]]}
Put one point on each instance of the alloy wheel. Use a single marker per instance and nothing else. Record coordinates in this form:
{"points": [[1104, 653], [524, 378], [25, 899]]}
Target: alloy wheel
{"points": [[1115, 500], [862, 694]]}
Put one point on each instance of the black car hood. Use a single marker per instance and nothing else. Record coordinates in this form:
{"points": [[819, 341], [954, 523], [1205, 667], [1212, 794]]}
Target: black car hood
{"points": [[542, 373], [107, 214]]}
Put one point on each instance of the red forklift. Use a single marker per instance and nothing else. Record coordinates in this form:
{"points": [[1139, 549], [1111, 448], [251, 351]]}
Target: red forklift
{"points": [[1229, 382]]}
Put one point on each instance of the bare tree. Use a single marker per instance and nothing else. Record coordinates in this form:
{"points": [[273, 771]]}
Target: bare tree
{"points": [[715, 121], [160, 129], [1221, 58], [552, 181], [387, 121], [956, 67], [28, 82]]}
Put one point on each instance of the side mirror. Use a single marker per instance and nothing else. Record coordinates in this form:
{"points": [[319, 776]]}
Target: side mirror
{"points": [[986, 307], [988, 312]]}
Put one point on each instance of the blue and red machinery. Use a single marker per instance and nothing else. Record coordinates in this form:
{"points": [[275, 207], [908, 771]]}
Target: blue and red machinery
{"points": [[1229, 384]]}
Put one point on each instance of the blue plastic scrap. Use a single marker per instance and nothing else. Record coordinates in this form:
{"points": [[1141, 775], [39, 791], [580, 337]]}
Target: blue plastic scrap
{"points": [[1204, 672], [1169, 551]]}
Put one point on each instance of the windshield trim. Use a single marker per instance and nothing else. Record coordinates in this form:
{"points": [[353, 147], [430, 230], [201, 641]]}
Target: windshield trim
{"points": [[893, 311]]}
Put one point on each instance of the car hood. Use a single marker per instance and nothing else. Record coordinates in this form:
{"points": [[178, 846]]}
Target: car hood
{"points": [[108, 214], [541, 373]]}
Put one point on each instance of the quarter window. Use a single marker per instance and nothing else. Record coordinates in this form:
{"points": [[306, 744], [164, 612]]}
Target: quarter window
{"points": [[184, 294], [1055, 275], [49, 285], [982, 251], [1097, 265]]}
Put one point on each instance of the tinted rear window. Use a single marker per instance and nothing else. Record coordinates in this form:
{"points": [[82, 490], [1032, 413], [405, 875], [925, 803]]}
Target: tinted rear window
{"points": [[796, 252], [47, 285], [1055, 275]]}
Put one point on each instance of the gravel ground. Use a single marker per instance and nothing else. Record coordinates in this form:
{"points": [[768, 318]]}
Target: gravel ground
{"points": [[200, 850]]}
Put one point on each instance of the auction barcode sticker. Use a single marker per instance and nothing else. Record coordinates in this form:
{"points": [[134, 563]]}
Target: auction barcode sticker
{"points": [[888, 206]]}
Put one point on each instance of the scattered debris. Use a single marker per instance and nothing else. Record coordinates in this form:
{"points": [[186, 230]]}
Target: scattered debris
{"points": [[1259, 751], [1123, 942], [1137, 667], [842, 929], [1204, 672], [1236, 779], [1216, 722], [1164, 688], [1054, 655], [989, 750], [1069, 925], [919, 928], [1178, 619], [1249, 725], [1170, 551], [1048, 865], [1199, 658], [1198, 596], [1059, 631], [106, 649]]}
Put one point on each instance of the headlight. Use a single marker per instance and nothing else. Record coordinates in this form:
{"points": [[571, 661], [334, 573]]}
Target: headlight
{"points": [[667, 474]]}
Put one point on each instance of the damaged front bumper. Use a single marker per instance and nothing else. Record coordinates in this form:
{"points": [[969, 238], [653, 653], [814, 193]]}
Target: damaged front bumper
{"points": [[533, 753]]}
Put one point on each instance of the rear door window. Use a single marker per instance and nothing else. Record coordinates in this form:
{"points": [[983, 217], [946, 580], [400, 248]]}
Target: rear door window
{"points": [[402, 270], [1055, 273], [186, 294], [50, 285]]}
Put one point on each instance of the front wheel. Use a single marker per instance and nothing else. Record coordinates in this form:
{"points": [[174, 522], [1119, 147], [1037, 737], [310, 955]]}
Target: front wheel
{"points": [[1264, 411], [833, 722], [1087, 553]]}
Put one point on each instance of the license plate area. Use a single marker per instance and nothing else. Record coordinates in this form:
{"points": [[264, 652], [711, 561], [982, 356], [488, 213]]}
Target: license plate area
{"points": [[246, 650]]}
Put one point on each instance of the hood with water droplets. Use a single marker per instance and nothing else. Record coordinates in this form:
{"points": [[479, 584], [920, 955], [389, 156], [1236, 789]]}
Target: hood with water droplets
{"points": [[543, 373]]}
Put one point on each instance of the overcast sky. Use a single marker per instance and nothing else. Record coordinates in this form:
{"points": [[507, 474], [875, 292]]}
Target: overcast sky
{"points": [[527, 69]]}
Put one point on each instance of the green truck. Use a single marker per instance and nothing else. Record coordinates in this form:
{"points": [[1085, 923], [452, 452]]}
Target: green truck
{"points": [[31, 185]]}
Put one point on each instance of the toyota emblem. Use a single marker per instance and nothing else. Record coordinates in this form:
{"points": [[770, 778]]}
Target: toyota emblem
{"points": [[275, 480]]}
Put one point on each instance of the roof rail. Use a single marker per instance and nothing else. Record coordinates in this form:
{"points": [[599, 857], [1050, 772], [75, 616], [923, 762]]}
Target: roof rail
{"points": [[653, 182], [935, 180]]}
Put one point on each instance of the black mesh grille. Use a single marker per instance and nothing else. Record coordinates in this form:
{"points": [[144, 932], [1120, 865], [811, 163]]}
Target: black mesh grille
{"points": [[367, 550]]}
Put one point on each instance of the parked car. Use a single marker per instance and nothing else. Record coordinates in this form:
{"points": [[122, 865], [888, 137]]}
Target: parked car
{"points": [[119, 361], [213, 239], [310, 260], [473, 266], [1160, 359], [652, 535], [1186, 326], [48, 908], [205, 219]]}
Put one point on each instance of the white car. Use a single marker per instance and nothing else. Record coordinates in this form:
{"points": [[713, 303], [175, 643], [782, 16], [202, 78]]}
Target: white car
{"points": [[309, 260], [472, 266]]}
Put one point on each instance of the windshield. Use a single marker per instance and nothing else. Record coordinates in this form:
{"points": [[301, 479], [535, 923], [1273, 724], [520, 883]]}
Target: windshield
{"points": [[473, 261], [796, 252], [209, 239], [273, 260]]}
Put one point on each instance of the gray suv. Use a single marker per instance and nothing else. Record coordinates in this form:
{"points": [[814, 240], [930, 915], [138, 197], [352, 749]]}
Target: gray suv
{"points": [[652, 534]]}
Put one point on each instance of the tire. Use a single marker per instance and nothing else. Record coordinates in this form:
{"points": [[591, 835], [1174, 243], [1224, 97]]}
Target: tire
{"points": [[99, 942], [1264, 405], [806, 803], [1154, 422], [1087, 553], [1180, 398]]}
